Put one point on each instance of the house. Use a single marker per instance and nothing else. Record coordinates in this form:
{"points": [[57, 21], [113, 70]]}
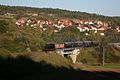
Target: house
{"points": [[41, 23], [49, 23], [35, 14], [87, 28], [9, 14], [63, 23], [90, 23], [60, 22], [81, 28], [105, 24], [100, 29], [102, 34], [86, 34], [86, 22], [20, 22], [67, 23], [100, 23], [93, 28], [117, 31], [56, 31], [79, 21], [29, 21]]}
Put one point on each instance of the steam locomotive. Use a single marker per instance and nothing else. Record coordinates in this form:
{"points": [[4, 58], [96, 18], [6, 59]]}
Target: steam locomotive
{"points": [[72, 45]]}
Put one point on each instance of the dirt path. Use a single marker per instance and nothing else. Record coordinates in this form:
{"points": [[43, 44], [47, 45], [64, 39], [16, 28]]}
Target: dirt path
{"points": [[103, 70]]}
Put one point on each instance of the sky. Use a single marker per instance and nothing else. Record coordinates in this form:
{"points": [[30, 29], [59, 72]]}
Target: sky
{"points": [[102, 7]]}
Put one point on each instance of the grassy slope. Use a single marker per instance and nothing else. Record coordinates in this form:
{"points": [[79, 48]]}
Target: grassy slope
{"points": [[50, 58], [114, 66]]}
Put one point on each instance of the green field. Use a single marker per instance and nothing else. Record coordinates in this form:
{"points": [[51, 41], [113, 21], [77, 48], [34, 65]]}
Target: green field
{"points": [[113, 66]]}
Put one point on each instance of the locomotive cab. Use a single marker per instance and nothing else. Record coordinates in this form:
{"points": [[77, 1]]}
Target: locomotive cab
{"points": [[49, 47]]}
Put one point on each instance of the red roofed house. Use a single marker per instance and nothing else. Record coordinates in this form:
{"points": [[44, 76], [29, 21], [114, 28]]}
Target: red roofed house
{"points": [[81, 28], [117, 31], [20, 22]]}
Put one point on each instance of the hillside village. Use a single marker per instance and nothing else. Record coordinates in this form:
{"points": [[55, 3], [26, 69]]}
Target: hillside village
{"points": [[82, 25], [59, 19]]}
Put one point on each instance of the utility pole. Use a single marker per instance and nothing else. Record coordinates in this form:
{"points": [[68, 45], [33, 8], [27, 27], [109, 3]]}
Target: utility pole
{"points": [[103, 57]]}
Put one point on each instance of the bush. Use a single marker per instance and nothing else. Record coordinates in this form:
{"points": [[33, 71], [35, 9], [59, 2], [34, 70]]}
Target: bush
{"points": [[4, 53], [3, 26], [11, 45], [88, 56]]}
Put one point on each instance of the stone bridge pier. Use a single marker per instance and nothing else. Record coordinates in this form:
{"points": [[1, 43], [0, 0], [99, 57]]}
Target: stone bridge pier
{"points": [[73, 54]]}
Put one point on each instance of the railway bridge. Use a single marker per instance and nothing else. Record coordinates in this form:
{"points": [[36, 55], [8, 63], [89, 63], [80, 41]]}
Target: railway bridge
{"points": [[71, 49]]}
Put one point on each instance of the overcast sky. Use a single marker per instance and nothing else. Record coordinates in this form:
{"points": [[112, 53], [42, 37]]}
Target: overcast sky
{"points": [[104, 7]]}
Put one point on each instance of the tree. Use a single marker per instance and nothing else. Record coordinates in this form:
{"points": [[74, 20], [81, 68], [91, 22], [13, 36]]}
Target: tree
{"points": [[3, 26]]}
